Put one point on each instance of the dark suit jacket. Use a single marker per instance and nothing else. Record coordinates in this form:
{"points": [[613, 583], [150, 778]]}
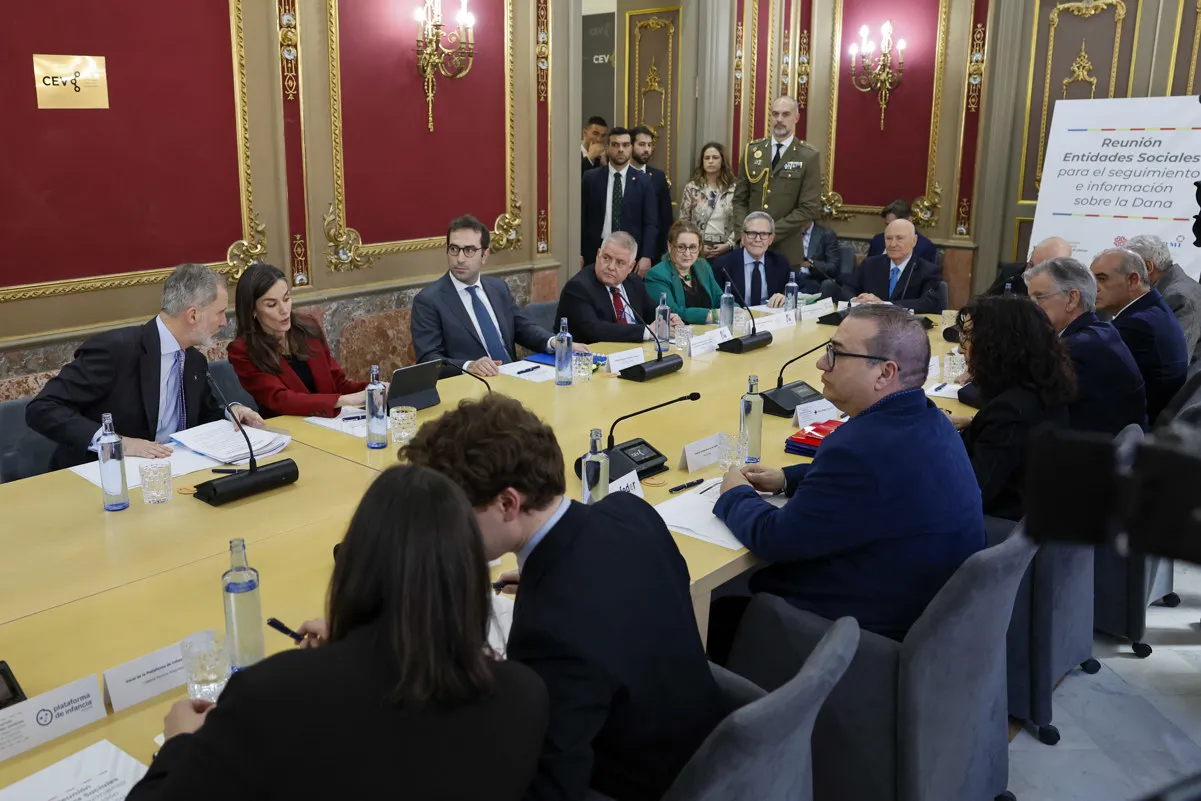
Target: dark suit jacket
{"points": [[823, 254], [663, 213], [874, 527], [1110, 393], [639, 214], [442, 328], [996, 443], [284, 392], [1009, 272], [631, 695], [917, 288], [924, 249], [117, 372], [331, 706], [732, 267], [588, 307], [1157, 344], [588, 164]]}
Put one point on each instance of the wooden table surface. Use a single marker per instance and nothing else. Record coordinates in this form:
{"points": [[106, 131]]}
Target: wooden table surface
{"points": [[82, 590]]}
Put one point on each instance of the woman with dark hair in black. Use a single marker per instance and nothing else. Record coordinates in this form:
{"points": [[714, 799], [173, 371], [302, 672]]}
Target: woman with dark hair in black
{"points": [[403, 699], [1025, 377]]}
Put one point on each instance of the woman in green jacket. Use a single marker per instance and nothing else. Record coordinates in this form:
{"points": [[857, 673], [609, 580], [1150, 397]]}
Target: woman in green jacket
{"points": [[692, 291]]}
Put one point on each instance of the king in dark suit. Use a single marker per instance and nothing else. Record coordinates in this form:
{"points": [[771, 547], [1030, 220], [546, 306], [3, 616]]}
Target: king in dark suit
{"points": [[899, 276], [150, 377], [631, 694], [471, 320], [618, 198], [1145, 322]]}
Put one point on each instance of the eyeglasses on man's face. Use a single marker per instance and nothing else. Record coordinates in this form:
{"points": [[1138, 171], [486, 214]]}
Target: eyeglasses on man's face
{"points": [[469, 251], [759, 235], [1039, 297], [832, 354]]}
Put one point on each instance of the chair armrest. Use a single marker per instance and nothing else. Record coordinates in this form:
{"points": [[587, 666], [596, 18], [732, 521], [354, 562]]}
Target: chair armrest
{"points": [[736, 692]]}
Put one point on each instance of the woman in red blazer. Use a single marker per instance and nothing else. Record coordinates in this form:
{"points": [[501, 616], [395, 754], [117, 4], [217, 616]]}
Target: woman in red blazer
{"points": [[282, 359]]}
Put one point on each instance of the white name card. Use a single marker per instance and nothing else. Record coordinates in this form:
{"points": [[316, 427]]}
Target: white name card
{"points": [[50, 715], [145, 677], [815, 411], [774, 322], [625, 358], [708, 341], [701, 454], [627, 483], [815, 310]]}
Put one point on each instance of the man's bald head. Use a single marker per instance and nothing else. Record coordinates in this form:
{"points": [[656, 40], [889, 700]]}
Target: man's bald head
{"points": [[900, 238], [1053, 247]]}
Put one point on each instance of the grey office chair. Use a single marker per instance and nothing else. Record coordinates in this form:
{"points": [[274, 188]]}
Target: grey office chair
{"points": [[24, 453], [544, 314], [225, 377]]}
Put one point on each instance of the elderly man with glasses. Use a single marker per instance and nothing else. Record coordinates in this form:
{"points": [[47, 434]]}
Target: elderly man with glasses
{"points": [[757, 273], [863, 533], [1110, 394]]}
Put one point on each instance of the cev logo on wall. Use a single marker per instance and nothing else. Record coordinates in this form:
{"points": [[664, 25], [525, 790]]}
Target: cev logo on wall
{"points": [[70, 81]]}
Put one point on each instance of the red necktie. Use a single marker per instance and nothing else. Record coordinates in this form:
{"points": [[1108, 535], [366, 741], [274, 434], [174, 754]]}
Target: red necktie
{"points": [[619, 305]]}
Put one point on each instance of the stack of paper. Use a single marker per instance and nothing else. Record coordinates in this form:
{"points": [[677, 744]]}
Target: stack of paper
{"points": [[945, 390], [100, 772], [221, 441], [691, 514], [183, 461], [350, 420]]}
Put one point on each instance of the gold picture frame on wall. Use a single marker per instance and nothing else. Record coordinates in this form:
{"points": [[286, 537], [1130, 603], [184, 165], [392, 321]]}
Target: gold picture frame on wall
{"points": [[664, 84], [345, 249], [239, 255]]}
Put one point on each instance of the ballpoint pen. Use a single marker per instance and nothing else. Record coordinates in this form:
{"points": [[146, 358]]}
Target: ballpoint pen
{"points": [[686, 485], [527, 370], [282, 629], [939, 387]]}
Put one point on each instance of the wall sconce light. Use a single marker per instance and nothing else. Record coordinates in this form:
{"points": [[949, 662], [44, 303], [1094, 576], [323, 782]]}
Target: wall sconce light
{"points": [[877, 75], [452, 58]]}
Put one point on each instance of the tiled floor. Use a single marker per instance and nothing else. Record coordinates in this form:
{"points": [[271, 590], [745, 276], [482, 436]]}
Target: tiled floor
{"points": [[1131, 729]]}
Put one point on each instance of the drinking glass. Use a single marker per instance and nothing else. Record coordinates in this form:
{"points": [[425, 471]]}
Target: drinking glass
{"points": [[683, 337], [741, 318], [953, 366], [949, 316], [206, 663], [155, 475], [581, 366], [732, 451], [402, 422]]}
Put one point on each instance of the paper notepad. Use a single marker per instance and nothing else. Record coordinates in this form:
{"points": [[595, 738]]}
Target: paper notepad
{"points": [[350, 420], [100, 772], [221, 441], [691, 514], [183, 461], [528, 371]]}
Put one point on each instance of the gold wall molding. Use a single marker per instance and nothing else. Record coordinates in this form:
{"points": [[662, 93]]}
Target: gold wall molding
{"points": [[786, 63], [769, 90], [653, 83], [931, 199], [975, 69], [238, 256], [926, 208], [1081, 71], [542, 51], [739, 44], [750, 115], [963, 218], [802, 69], [289, 48], [1192, 64], [832, 206], [345, 249]]}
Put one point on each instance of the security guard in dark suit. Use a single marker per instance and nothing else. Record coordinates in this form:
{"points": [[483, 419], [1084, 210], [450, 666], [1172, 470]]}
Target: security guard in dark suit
{"points": [[782, 176]]}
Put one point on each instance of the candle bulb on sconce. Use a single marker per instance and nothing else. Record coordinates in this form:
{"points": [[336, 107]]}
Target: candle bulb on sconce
{"points": [[877, 74], [450, 52]]}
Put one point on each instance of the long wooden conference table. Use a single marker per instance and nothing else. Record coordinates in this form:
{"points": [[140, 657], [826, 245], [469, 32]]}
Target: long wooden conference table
{"points": [[83, 590]]}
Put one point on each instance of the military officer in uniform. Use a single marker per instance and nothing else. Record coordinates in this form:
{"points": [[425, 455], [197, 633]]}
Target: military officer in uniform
{"points": [[782, 176]]}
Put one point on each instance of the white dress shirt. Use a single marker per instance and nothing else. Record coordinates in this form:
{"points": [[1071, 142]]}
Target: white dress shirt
{"points": [[787, 143], [902, 264], [607, 228]]}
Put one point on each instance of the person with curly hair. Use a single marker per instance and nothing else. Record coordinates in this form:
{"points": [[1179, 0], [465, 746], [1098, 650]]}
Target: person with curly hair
{"points": [[1026, 380]]}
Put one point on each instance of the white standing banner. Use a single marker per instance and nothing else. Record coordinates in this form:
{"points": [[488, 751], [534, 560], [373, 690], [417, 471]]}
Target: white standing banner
{"points": [[1118, 167]]}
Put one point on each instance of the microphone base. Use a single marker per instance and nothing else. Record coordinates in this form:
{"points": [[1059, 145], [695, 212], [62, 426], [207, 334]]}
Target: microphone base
{"points": [[746, 343], [833, 318], [619, 464], [653, 369], [782, 401], [220, 491]]}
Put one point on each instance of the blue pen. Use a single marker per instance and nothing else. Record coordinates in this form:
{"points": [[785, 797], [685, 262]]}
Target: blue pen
{"points": [[939, 387], [527, 370]]}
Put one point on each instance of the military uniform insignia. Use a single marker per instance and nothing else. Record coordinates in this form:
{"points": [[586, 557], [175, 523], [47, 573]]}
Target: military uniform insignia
{"points": [[758, 154]]}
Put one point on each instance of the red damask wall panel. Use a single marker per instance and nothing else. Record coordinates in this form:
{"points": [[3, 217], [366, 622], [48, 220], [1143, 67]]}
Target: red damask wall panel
{"points": [[403, 182], [151, 181], [872, 167]]}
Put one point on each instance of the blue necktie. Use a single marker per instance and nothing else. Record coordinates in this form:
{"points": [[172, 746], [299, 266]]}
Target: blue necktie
{"points": [[893, 276], [756, 298], [176, 418], [492, 340]]}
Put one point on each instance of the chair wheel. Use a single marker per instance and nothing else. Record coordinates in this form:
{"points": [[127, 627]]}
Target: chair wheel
{"points": [[1171, 600], [1007, 796], [1142, 650], [1048, 735], [1090, 666]]}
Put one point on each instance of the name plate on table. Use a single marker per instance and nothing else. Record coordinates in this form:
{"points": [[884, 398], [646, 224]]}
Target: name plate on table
{"points": [[627, 483], [625, 358], [145, 677], [701, 454], [774, 322], [815, 310], [708, 341], [50, 715], [815, 411]]}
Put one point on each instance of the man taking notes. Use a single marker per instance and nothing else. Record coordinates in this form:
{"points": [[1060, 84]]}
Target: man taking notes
{"points": [[603, 612], [150, 377], [889, 507]]}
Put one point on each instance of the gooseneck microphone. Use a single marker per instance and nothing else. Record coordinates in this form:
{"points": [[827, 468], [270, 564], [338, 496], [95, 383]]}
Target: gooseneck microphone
{"points": [[636, 454], [747, 342], [660, 366], [783, 400], [256, 479], [467, 372]]}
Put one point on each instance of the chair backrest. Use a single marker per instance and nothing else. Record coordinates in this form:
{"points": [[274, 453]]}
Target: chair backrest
{"points": [[24, 453], [736, 691], [1185, 405], [225, 377], [763, 750], [543, 314], [952, 702], [846, 259]]}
